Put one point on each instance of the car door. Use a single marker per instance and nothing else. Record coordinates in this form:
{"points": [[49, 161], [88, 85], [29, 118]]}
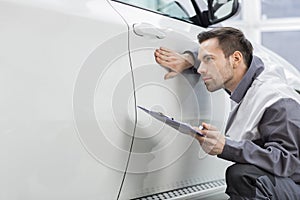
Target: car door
{"points": [[61, 135], [163, 160]]}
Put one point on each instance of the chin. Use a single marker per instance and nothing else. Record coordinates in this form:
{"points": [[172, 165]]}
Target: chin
{"points": [[212, 89]]}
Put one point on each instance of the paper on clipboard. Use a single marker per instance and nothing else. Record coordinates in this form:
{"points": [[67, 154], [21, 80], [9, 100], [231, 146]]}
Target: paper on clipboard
{"points": [[180, 126]]}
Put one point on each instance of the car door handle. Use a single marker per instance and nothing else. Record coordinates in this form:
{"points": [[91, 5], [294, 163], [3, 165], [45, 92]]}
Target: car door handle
{"points": [[146, 29]]}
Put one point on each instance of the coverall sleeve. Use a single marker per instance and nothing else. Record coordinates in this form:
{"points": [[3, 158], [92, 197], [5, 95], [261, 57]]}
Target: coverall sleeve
{"points": [[278, 149], [194, 53]]}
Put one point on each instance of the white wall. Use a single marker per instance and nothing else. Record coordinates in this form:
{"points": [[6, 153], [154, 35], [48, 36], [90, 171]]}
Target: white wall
{"points": [[277, 33]]}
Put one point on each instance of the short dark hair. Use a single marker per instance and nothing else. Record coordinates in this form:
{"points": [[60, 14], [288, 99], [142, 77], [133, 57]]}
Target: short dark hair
{"points": [[230, 40]]}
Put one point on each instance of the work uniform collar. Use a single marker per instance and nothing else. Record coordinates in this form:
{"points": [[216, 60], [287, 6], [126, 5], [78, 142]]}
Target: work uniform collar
{"points": [[255, 69]]}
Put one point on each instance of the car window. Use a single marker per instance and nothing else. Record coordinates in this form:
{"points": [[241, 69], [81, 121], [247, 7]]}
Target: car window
{"points": [[179, 9]]}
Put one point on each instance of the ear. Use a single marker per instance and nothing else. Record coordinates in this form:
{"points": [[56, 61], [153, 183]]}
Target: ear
{"points": [[237, 58]]}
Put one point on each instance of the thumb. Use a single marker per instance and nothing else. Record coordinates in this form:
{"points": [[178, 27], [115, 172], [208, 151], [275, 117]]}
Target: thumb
{"points": [[209, 126], [171, 74]]}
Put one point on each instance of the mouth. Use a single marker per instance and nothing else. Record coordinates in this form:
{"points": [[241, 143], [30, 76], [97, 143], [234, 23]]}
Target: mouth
{"points": [[205, 79]]}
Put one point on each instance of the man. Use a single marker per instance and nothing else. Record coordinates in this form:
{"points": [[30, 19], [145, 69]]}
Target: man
{"points": [[263, 128]]}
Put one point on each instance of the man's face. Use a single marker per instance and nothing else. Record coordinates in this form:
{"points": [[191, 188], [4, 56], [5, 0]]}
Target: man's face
{"points": [[216, 70]]}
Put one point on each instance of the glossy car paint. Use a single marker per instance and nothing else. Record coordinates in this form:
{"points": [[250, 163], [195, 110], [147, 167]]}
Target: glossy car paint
{"points": [[162, 159], [60, 61], [72, 72]]}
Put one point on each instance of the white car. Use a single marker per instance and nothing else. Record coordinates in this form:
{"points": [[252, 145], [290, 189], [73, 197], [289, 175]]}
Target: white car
{"points": [[72, 74]]}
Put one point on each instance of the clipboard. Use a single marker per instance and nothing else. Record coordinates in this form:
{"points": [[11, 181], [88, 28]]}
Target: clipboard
{"points": [[180, 126]]}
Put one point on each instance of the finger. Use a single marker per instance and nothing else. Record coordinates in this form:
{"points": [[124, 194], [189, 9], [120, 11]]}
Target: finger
{"points": [[209, 126], [200, 139], [197, 128], [162, 56], [163, 62], [164, 49], [203, 132], [211, 134], [170, 75], [158, 53], [166, 52]]}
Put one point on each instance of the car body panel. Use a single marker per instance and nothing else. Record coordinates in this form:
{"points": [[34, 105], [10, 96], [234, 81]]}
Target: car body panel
{"points": [[59, 73], [72, 73], [163, 159]]}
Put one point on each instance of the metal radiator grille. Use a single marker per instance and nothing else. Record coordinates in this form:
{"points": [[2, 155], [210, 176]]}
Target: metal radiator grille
{"points": [[183, 191]]}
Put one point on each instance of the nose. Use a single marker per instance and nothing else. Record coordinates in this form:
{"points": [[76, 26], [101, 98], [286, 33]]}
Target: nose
{"points": [[202, 69]]}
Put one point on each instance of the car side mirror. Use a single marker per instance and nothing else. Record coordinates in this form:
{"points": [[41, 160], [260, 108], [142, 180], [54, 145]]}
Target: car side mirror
{"points": [[219, 10]]}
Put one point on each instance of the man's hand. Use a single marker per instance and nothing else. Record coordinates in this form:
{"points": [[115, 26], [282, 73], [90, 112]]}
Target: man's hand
{"points": [[213, 141], [174, 61]]}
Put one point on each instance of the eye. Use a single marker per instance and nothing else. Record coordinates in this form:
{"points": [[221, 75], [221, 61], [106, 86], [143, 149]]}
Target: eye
{"points": [[208, 59]]}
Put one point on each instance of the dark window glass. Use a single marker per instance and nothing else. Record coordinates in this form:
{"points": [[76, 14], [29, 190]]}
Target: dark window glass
{"points": [[285, 43], [182, 10], [280, 8]]}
